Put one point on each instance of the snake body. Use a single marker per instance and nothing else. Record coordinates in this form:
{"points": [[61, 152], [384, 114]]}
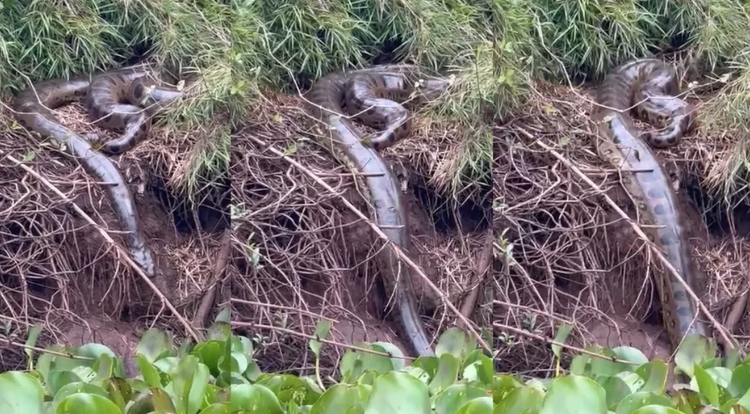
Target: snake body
{"points": [[651, 84], [33, 109], [105, 104], [358, 91]]}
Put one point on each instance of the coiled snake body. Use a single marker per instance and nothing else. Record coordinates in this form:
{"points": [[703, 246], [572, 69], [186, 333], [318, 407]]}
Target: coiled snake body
{"points": [[104, 103], [652, 85], [33, 109], [370, 94]]}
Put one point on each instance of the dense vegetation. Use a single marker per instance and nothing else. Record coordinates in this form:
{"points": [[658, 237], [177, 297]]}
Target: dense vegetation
{"points": [[497, 49]]}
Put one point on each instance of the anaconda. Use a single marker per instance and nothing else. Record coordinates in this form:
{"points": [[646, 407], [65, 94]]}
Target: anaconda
{"points": [[33, 109], [363, 88], [631, 83], [104, 103]]}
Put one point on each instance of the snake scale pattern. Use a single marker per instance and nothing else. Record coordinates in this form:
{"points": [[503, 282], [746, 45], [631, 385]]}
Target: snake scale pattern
{"points": [[651, 86], [102, 92], [372, 95]]}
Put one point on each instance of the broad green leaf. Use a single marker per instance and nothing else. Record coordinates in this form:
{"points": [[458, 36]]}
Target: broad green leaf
{"points": [[86, 403], [217, 408], [580, 365], [321, 331], [562, 335], [656, 409], [574, 395], [478, 367], [446, 375], [641, 399], [519, 400], [707, 386], [740, 382], [503, 385], [340, 398], [453, 341], [162, 401], [455, 396], [254, 399], [219, 331], [20, 393], [655, 375], [397, 362], [78, 387], [209, 353], [33, 335], [189, 384], [59, 379], [143, 404], [692, 351], [477, 406], [616, 389], [290, 388], [398, 393], [148, 370], [721, 376], [153, 345]]}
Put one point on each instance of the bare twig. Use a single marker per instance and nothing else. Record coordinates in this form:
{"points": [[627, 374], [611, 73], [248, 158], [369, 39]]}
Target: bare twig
{"points": [[380, 234], [654, 249], [121, 252]]}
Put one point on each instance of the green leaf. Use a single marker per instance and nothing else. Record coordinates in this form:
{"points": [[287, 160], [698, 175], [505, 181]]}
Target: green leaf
{"points": [[340, 398], [398, 393], [656, 409], [616, 389], [142, 404], [655, 374], [453, 341], [744, 402], [162, 401], [478, 367], [224, 315], [59, 379], [456, 396], [254, 399], [503, 385], [321, 331], [220, 331], [31, 341], [290, 388], [477, 406], [739, 385], [707, 386], [574, 395], [641, 399], [519, 400], [561, 337], [397, 362], [148, 370], [189, 384], [153, 345], [78, 387], [580, 365], [217, 408], [446, 375], [209, 353], [87, 403], [692, 351], [20, 393]]}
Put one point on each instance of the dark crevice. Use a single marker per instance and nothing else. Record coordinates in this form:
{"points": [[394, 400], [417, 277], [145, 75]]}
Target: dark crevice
{"points": [[446, 214], [212, 213]]}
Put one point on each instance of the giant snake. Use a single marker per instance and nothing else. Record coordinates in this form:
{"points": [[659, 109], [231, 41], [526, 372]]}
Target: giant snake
{"points": [[103, 94], [651, 86], [372, 94]]}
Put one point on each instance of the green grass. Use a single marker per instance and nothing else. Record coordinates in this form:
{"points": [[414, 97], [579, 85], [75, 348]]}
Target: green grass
{"points": [[240, 50]]}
